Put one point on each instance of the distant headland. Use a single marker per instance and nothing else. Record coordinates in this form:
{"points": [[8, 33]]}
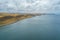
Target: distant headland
{"points": [[8, 18]]}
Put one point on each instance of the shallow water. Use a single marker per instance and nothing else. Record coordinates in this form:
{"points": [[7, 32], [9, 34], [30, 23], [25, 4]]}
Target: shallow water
{"points": [[45, 27]]}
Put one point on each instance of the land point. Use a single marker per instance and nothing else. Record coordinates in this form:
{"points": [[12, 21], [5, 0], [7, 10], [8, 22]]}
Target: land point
{"points": [[9, 18]]}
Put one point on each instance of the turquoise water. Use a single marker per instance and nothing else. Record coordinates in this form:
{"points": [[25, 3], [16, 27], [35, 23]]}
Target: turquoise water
{"points": [[45, 27]]}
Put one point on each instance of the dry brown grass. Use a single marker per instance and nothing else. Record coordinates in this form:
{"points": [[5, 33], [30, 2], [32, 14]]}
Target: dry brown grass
{"points": [[12, 20]]}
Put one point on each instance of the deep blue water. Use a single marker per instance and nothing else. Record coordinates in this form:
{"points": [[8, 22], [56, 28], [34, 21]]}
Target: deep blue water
{"points": [[45, 27]]}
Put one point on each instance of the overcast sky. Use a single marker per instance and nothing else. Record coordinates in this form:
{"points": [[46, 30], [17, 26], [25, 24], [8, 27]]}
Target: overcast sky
{"points": [[30, 6]]}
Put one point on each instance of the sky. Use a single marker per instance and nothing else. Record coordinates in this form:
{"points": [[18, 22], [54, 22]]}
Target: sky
{"points": [[30, 6]]}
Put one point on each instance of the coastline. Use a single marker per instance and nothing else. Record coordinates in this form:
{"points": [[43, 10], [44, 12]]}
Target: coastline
{"points": [[7, 18]]}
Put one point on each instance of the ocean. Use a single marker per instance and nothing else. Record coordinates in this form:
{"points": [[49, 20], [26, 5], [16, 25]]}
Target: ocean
{"points": [[44, 27]]}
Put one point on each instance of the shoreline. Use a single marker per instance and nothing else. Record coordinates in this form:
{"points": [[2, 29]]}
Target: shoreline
{"points": [[6, 18]]}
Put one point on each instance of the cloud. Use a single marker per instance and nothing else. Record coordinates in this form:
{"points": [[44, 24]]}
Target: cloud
{"points": [[34, 6]]}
